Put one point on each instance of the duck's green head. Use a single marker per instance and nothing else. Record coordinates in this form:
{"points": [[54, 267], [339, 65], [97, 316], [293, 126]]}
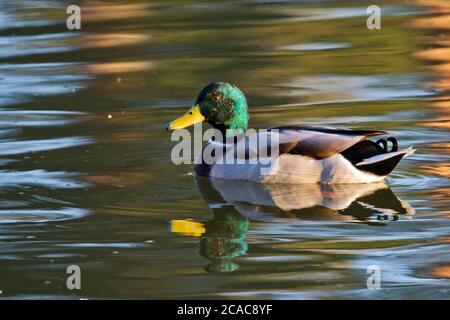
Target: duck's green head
{"points": [[220, 104]]}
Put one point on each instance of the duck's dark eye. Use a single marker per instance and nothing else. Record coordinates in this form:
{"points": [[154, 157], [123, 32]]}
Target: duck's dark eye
{"points": [[215, 98]]}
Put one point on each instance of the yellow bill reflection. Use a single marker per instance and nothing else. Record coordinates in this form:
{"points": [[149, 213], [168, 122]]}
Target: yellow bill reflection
{"points": [[187, 227]]}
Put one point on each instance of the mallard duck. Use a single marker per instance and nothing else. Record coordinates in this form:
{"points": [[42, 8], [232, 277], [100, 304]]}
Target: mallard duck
{"points": [[306, 154]]}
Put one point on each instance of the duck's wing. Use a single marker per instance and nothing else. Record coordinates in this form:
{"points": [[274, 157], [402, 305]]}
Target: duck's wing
{"points": [[320, 142]]}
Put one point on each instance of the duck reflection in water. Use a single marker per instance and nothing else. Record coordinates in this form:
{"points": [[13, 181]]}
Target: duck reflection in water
{"points": [[236, 203]]}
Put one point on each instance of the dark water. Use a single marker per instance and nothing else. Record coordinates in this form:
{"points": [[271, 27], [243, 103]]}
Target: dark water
{"points": [[85, 170]]}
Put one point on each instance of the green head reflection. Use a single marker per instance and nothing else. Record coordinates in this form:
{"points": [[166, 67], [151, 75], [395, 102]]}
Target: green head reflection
{"points": [[224, 240], [221, 239]]}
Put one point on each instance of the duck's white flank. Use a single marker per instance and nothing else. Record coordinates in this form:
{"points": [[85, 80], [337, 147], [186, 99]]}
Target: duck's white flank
{"points": [[289, 168]]}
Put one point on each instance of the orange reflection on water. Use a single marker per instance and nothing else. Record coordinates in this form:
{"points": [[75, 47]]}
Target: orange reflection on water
{"points": [[441, 271], [439, 22], [98, 11], [440, 168], [112, 40], [441, 195], [435, 54], [119, 67], [439, 54], [120, 179]]}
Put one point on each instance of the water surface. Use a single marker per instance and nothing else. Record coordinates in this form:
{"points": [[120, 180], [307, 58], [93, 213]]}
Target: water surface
{"points": [[85, 170]]}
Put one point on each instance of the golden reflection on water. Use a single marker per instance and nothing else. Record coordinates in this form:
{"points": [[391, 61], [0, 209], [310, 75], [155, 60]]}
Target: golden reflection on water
{"points": [[118, 67], [437, 168], [439, 54], [121, 179], [95, 11], [437, 51], [112, 40], [441, 271]]}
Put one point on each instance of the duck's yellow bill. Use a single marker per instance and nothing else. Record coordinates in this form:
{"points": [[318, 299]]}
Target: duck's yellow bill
{"points": [[191, 117]]}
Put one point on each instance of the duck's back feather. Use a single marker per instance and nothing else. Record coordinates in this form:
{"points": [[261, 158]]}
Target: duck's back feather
{"points": [[330, 130], [320, 142]]}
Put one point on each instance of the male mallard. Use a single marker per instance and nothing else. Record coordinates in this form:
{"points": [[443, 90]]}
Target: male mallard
{"points": [[306, 154]]}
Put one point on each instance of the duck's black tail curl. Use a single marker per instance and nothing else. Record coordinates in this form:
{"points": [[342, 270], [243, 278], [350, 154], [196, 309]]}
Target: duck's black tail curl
{"points": [[376, 157], [383, 143], [367, 148]]}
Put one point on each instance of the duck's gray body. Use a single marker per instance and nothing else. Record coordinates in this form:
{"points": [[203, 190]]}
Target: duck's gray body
{"points": [[308, 155]]}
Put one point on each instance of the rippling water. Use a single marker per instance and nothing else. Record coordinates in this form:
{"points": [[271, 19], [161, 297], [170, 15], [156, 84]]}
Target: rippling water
{"points": [[85, 170]]}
